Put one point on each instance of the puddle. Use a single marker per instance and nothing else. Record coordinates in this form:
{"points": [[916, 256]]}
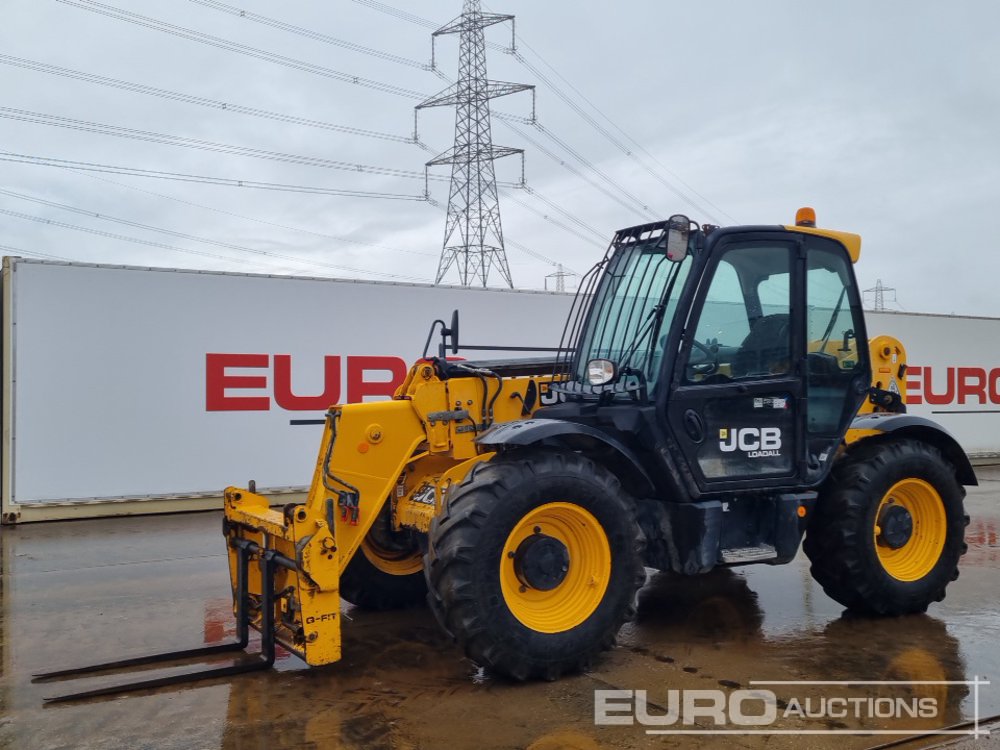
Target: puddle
{"points": [[86, 591]]}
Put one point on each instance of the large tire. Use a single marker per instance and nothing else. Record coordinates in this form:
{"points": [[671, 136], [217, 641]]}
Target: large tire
{"points": [[852, 557], [387, 571], [498, 583]]}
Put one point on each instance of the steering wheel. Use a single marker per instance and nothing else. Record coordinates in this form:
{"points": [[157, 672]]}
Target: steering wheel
{"points": [[711, 362]]}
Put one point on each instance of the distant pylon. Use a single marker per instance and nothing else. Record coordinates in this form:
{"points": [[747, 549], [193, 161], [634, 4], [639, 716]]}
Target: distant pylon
{"points": [[879, 291], [473, 236], [559, 276]]}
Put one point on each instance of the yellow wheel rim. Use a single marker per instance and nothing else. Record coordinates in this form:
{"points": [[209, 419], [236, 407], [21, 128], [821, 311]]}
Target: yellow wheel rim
{"points": [[582, 589], [393, 562], [918, 556]]}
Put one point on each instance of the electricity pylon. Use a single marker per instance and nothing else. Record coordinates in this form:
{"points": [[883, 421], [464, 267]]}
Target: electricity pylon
{"points": [[473, 235], [880, 291]]}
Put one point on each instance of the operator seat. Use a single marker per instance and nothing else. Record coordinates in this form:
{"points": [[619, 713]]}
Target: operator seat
{"points": [[765, 350]]}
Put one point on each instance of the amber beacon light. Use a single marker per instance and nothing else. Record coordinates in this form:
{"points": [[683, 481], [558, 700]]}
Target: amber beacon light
{"points": [[805, 217]]}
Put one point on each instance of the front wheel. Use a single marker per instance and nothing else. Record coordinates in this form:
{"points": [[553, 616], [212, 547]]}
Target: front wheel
{"points": [[534, 564], [889, 528]]}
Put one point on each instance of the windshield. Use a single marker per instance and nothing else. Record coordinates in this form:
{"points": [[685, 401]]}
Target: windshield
{"points": [[632, 311]]}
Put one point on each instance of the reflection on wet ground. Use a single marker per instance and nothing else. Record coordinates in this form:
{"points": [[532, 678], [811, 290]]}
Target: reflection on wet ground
{"points": [[79, 592]]}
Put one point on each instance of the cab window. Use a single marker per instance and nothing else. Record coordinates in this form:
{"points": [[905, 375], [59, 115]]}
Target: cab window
{"points": [[744, 330]]}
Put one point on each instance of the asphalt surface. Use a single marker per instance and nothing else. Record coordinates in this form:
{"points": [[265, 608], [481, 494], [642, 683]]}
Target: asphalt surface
{"points": [[85, 591]]}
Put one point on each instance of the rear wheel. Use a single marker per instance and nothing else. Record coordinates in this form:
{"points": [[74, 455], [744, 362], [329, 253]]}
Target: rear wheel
{"points": [[889, 527], [534, 564], [387, 571]]}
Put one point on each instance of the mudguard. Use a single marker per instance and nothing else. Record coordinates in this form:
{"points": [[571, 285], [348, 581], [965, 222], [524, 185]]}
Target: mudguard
{"points": [[920, 428], [625, 464]]}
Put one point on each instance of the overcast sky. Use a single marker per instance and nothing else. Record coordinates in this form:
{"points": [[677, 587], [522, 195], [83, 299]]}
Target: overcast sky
{"points": [[882, 115]]}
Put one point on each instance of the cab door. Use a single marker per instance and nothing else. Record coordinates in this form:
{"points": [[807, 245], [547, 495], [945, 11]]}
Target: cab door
{"points": [[737, 403], [773, 363]]}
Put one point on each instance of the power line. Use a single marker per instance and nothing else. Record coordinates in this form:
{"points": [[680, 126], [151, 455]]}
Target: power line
{"points": [[147, 22], [133, 224], [582, 113], [555, 222], [310, 34], [536, 255], [528, 251], [258, 220], [590, 165], [400, 14], [614, 141], [601, 236], [196, 143], [507, 119], [85, 167], [139, 88], [635, 205], [35, 253], [197, 100], [110, 235], [43, 161], [625, 149], [638, 205], [183, 235], [172, 248], [230, 46], [243, 49], [172, 233], [625, 134]]}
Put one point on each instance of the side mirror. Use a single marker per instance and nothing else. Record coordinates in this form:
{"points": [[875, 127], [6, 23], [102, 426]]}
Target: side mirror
{"points": [[451, 332], [678, 233], [449, 336]]}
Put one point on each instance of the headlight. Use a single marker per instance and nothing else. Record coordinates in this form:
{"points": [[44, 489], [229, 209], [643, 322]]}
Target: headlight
{"points": [[601, 371]]}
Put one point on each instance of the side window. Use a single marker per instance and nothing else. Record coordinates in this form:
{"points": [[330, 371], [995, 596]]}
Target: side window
{"points": [[832, 345], [743, 328]]}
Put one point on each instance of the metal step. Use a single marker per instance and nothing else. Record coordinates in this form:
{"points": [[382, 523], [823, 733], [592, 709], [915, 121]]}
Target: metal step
{"points": [[740, 555]]}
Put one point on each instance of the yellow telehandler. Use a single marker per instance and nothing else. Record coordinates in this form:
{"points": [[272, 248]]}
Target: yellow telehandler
{"points": [[712, 401]]}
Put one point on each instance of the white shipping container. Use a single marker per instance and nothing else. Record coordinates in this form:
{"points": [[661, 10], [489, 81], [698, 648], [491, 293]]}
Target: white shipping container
{"points": [[953, 376], [135, 389], [136, 384]]}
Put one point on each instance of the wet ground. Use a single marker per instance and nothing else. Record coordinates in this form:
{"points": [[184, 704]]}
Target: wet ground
{"points": [[84, 591]]}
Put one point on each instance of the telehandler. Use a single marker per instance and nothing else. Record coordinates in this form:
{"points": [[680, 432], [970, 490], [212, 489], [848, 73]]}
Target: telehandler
{"points": [[714, 398]]}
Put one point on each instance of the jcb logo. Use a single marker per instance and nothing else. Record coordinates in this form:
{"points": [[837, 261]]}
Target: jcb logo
{"points": [[547, 396], [753, 441]]}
